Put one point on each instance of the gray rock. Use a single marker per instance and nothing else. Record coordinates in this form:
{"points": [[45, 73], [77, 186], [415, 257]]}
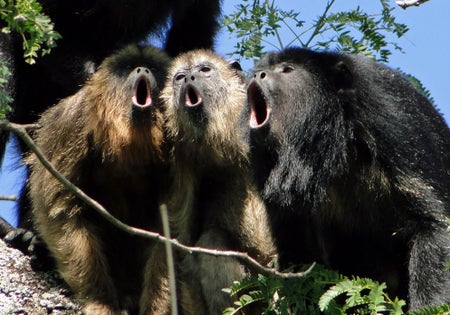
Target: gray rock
{"points": [[24, 291]]}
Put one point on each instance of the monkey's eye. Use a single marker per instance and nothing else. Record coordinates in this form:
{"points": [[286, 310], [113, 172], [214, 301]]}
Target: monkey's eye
{"points": [[179, 76], [287, 69], [205, 69]]}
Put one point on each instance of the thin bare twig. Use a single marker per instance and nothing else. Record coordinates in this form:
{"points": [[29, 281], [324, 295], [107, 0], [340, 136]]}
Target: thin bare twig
{"points": [[21, 132], [30, 127], [320, 23], [9, 198], [170, 260], [280, 42]]}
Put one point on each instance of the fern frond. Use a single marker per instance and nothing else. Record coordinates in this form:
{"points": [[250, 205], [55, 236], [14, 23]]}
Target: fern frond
{"points": [[244, 301], [434, 310], [333, 292], [245, 284]]}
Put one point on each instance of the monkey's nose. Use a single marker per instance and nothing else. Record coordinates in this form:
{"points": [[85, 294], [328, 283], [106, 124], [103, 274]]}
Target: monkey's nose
{"points": [[142, 70], [189, 78], [261, 75]]}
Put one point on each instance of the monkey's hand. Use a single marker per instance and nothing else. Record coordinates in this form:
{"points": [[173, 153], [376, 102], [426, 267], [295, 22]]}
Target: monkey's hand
{"points": [[20, 239], [30, 244]]}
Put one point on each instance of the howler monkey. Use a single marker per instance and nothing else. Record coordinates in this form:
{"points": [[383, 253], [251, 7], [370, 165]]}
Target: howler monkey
{"points": [[353, 164], [108, 140], [92, 30], [214, 203]]}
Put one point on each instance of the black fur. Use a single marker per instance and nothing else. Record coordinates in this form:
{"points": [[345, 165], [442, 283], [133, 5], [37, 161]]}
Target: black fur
{"points": [[354, 165]]}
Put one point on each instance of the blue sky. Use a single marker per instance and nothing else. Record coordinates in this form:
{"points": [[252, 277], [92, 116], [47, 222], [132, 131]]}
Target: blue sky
{"points": [[426, 46], [426, 56]]}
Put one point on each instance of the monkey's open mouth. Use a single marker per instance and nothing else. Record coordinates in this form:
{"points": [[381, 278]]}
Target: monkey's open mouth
{"points": [[142, 96], [192, 96], [259, 110]]}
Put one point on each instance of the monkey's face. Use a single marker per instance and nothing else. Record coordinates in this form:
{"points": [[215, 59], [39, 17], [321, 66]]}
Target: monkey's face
{"points": [[293, 93], [131, 81], [295, 111], [204, 97], [123, 101], [277, 97], [199, 90]]}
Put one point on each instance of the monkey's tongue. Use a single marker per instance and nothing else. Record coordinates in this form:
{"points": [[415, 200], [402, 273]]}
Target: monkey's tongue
{"points": [[259, 111], [142, 93]]}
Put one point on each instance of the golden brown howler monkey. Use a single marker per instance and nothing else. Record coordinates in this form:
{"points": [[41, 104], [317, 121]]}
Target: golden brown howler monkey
{"points": [[213, 201], [108, 140]]}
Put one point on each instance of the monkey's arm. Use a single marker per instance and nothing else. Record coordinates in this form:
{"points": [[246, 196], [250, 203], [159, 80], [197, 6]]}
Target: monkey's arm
{"points": [[429, 279], [61, 219]]}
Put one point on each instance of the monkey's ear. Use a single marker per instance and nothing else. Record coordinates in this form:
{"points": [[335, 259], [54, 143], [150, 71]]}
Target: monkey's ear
{"points": [[341, 76], [234, 64], [89, 68]]}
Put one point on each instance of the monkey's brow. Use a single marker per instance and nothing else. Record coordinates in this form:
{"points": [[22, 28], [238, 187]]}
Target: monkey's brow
{"points": [[260, 68], [205, 63]]}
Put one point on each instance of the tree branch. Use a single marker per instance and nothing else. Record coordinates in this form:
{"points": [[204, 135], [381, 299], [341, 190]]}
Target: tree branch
{"points": [[280, 42], [21, 132], [170, 260], [320, 22], [8, 198], [409, 3]]}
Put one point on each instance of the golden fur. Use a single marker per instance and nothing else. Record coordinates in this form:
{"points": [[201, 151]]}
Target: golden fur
{"points": [[94, 141], [213, 201]]}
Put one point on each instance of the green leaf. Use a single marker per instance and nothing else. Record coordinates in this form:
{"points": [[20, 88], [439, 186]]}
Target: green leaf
{"points": [[441, 310], [26, 18], [5, 100]]}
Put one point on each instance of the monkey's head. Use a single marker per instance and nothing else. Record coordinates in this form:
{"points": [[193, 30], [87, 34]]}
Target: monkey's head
{"points": [[292, 87], [130, 82], [299, 107], [123, 99], [204, 96]]}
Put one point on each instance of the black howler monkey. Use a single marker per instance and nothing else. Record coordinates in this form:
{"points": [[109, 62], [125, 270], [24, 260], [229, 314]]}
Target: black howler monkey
{"points": [[354, 166]]}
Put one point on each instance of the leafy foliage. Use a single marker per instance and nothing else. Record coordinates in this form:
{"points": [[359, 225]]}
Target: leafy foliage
{"points": [[256, 23], [5, 100], [25, 17], [358, 32], [363, 296], [319, 291], [441, 310], [418, 85]]}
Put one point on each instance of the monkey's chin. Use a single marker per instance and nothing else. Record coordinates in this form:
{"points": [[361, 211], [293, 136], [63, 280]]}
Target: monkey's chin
{"points": [[197, 115], [261, 135], [142, 115]]}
